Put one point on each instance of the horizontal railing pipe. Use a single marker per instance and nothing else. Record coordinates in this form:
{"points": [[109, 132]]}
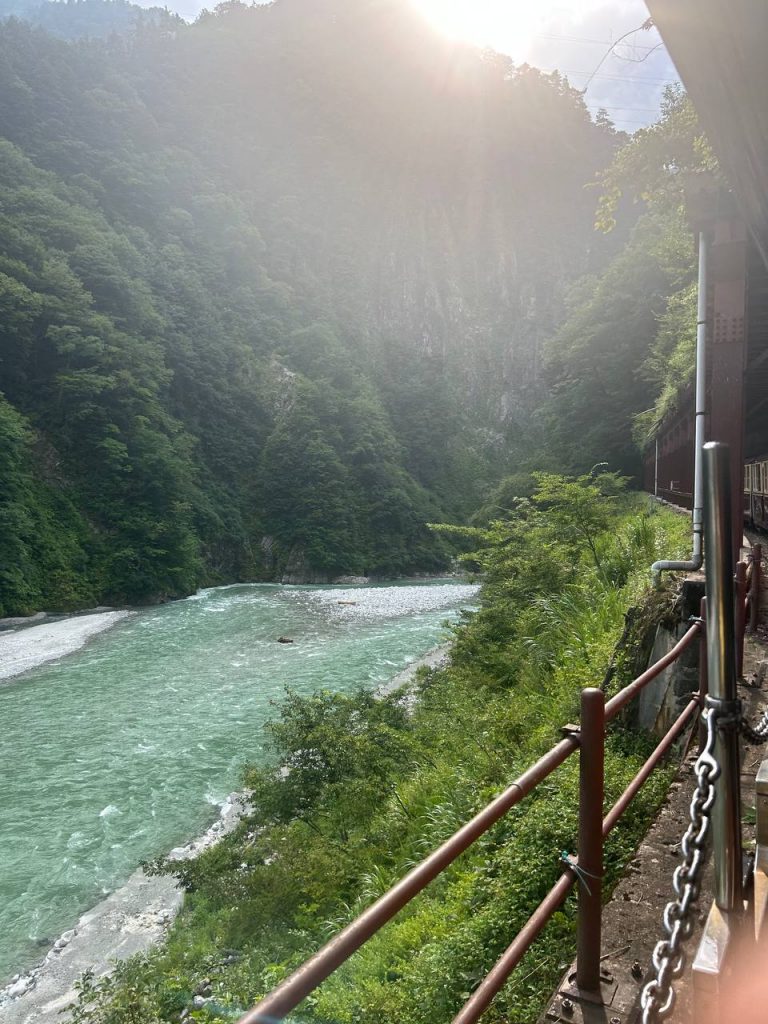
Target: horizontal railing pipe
{"points": [[333, 954], [274, 1007], [623, 697], [626, 798], [498, 976]]}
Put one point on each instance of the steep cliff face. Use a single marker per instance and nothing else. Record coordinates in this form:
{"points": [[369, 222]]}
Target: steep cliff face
{"points": [[323, 187], [434, 194]]}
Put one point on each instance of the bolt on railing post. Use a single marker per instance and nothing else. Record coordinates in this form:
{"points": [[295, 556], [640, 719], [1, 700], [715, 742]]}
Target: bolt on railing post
{"points": [[703, 680], [754, 588], [721, 668], [591, 794], [741, 615]]}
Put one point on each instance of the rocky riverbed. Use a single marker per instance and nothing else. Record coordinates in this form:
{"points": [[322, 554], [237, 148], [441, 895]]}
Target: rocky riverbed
{"points": [[29, 646], [134, 917], [129, 920]]}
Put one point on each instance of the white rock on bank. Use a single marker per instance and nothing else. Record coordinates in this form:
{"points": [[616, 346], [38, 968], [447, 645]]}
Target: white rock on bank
{"points": [[20, 987]]}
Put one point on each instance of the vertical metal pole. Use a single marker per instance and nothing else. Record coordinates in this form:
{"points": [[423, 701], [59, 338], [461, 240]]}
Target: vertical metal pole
{"points": [[721, 667], [591, 794], [754, 588], [703, 676], [741, 616], [701, 397]]}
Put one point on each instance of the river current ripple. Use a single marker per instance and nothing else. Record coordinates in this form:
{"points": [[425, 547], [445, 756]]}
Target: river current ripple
{"points": [[127, 748]]}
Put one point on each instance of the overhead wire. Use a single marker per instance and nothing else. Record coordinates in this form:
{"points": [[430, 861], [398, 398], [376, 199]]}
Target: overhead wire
{"points": [[645, 27], [639, 60], [617, 78]]}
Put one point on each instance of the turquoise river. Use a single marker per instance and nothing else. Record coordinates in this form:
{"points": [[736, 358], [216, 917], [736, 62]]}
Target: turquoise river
{"points": [[118, 752]]}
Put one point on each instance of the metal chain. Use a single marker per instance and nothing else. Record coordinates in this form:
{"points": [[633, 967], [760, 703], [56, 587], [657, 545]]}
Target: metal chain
{"points": [[658, 996], [755, 734]]}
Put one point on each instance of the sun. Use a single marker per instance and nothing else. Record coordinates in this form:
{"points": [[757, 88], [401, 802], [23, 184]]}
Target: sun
{"points": [[509, 26], [501, 24]]}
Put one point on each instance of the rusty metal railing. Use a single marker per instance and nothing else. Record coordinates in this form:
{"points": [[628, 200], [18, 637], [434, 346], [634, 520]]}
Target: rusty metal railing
{"points": [[589, 739]]}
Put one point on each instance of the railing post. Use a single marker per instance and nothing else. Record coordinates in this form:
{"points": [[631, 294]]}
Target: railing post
{"points": [[591, 793], [703, 679], [741, 615], [754, 588], [721, 667]]}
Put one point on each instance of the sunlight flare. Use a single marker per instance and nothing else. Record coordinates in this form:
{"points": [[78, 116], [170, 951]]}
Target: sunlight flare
{"points": [[508, 26]]}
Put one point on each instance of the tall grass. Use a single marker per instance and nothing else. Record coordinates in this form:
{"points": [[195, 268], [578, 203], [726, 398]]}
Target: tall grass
{"points": [[551, 616]]}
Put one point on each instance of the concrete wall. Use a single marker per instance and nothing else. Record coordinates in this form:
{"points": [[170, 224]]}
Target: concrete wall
{"points": [[662, 700]]}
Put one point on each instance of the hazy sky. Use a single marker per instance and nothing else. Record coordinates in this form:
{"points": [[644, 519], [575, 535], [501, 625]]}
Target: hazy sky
{"points": [[630, 82], [569, 35], [572, 36]]}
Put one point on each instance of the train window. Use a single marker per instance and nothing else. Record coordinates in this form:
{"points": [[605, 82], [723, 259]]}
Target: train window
{"points": [[763, 482], [747, 477]]}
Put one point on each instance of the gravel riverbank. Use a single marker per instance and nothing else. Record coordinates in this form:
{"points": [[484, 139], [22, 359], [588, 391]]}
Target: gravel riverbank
{"points": [[28, 647], [128, 921]]}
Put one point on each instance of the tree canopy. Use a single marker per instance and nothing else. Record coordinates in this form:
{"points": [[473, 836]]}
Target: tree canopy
{"points": [[275, 288]]}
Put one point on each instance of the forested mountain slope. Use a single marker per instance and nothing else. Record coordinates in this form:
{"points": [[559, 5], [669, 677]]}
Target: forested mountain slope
{"points": [[274, 288], [95, 19]]}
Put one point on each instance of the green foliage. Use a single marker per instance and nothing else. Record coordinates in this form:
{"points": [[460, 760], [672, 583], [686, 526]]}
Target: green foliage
{"points": [[95, 19], [599, 360], [671, 362], [335, 757], [659, 162], [272, 338], [43, 536], [359, 790], [623, 356]]}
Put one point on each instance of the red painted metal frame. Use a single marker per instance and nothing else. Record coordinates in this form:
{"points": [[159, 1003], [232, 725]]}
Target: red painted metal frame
{"points": [[591, 800], [489, 988], [623, 697], [274, 1007], [306, 978]]}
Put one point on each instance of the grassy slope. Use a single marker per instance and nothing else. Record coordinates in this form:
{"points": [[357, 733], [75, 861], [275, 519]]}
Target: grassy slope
{"points": [[372, 789]]}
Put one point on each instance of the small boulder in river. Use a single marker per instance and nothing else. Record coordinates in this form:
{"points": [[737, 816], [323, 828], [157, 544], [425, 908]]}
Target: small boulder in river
{"points": [[284, 640], [346, 602]]}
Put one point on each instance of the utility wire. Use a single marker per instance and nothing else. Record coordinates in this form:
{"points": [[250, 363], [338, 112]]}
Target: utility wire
{"points": [[639, 60], [575, 39], [640, 110], [646, 25], [616, 78]]}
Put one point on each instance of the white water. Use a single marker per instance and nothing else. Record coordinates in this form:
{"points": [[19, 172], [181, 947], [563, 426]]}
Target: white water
{"points": [[126, 748]]}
